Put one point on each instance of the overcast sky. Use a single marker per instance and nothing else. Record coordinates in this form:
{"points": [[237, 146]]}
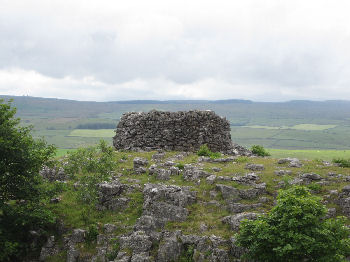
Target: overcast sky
{"points": [[262, 50]]}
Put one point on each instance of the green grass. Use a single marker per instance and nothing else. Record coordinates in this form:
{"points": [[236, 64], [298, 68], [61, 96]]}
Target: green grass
{"points": [[92, 132], [310, 154], [306, 127], [63, 151]]}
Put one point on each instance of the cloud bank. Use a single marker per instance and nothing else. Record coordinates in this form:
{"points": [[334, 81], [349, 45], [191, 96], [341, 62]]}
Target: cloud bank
{"points": [[121, 50]]}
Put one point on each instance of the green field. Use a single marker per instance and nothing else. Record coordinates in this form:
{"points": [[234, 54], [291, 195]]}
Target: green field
{"points": [[307, 127], [293, 125], [310, 154], [93, 133]]}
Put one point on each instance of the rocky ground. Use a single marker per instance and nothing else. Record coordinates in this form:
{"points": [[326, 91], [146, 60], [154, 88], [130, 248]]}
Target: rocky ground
{"points": [[177, 206]]}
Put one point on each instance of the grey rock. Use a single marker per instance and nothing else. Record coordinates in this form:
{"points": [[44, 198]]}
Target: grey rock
{"points": [[158, 156], [211, 179], [235, 220], [311, 176], [178, 131], [141, 257], [145, 223], [192, 174], [140, 170], [109, 228], [235, 250], [138, 242], [163, 174], [72, 254], [49, 249], [53, 174], [169, 163], [109, 195], [170, 248], [331, 212], [283, 172], [122, 257], [152, 169], [174, 170], [203, 228], [247, 179], [140, 162], [255, 167], [167, 203], [78, 235], [216, 169], [287, 160], [228, 192], [251, 193], [292, 162]]}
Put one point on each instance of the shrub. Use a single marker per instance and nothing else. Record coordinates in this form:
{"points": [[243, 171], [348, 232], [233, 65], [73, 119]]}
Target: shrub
{"points": [[92, 165], [259, 151], [92, 233], [205, 151], [22, 196], [342, 162], [295, 230], [180, 166], [95, 159]]}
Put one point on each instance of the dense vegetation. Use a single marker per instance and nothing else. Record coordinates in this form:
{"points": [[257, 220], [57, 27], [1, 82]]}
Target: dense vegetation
{"points": [[295, 230], [22, 196]]}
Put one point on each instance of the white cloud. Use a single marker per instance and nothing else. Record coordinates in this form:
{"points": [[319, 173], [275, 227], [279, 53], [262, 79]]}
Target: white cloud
{"points": [[110, 50]]}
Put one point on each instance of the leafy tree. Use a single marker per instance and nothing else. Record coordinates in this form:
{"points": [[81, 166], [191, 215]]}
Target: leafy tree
{"points": [[21, 191], [295, 230]]}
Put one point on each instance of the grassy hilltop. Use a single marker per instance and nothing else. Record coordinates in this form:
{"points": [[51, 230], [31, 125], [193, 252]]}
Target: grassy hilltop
{"points": [[206, 214]]}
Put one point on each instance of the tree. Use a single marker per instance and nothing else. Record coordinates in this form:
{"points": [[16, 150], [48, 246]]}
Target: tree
{"points": [[295, 230], [21, 193]]}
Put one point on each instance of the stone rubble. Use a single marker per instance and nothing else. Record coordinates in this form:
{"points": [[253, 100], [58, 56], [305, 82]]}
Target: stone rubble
{"points": [[177, 131]]}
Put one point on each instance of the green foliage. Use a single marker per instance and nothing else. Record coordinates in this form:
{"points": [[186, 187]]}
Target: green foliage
{"points": [[22, 196], [259, 151], [205, 151], [91, 166], [295, 230], [180, 166], [115, 249], [92, 233], [242, 159], [187, 254], [315, 187], [342, 162], [95, 159]]}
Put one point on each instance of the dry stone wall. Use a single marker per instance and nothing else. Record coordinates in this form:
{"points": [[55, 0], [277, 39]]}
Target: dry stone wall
{"points": [[180, 131]]}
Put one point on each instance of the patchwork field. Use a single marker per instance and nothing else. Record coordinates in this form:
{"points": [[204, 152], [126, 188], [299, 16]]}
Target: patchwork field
{"points": [[306, 127], [101, 133]]}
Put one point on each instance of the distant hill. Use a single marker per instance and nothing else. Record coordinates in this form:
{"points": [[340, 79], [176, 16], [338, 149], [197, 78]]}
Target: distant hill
{"points": [[292, 125]]}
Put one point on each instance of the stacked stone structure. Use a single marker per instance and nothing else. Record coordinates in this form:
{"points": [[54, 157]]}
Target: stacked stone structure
{"points": [[179, 131]]}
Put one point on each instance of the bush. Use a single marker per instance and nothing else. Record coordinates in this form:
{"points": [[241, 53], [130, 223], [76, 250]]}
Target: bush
{"points": [[259, 151], [342, 162], [295, 230], [95, 159], [91, 165], [205, 151], [180, 166], [92, 233], [22, 196]]}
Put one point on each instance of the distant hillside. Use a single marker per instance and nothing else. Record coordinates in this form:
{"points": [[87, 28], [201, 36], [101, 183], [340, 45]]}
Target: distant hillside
{"points": [[290, 125]]}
